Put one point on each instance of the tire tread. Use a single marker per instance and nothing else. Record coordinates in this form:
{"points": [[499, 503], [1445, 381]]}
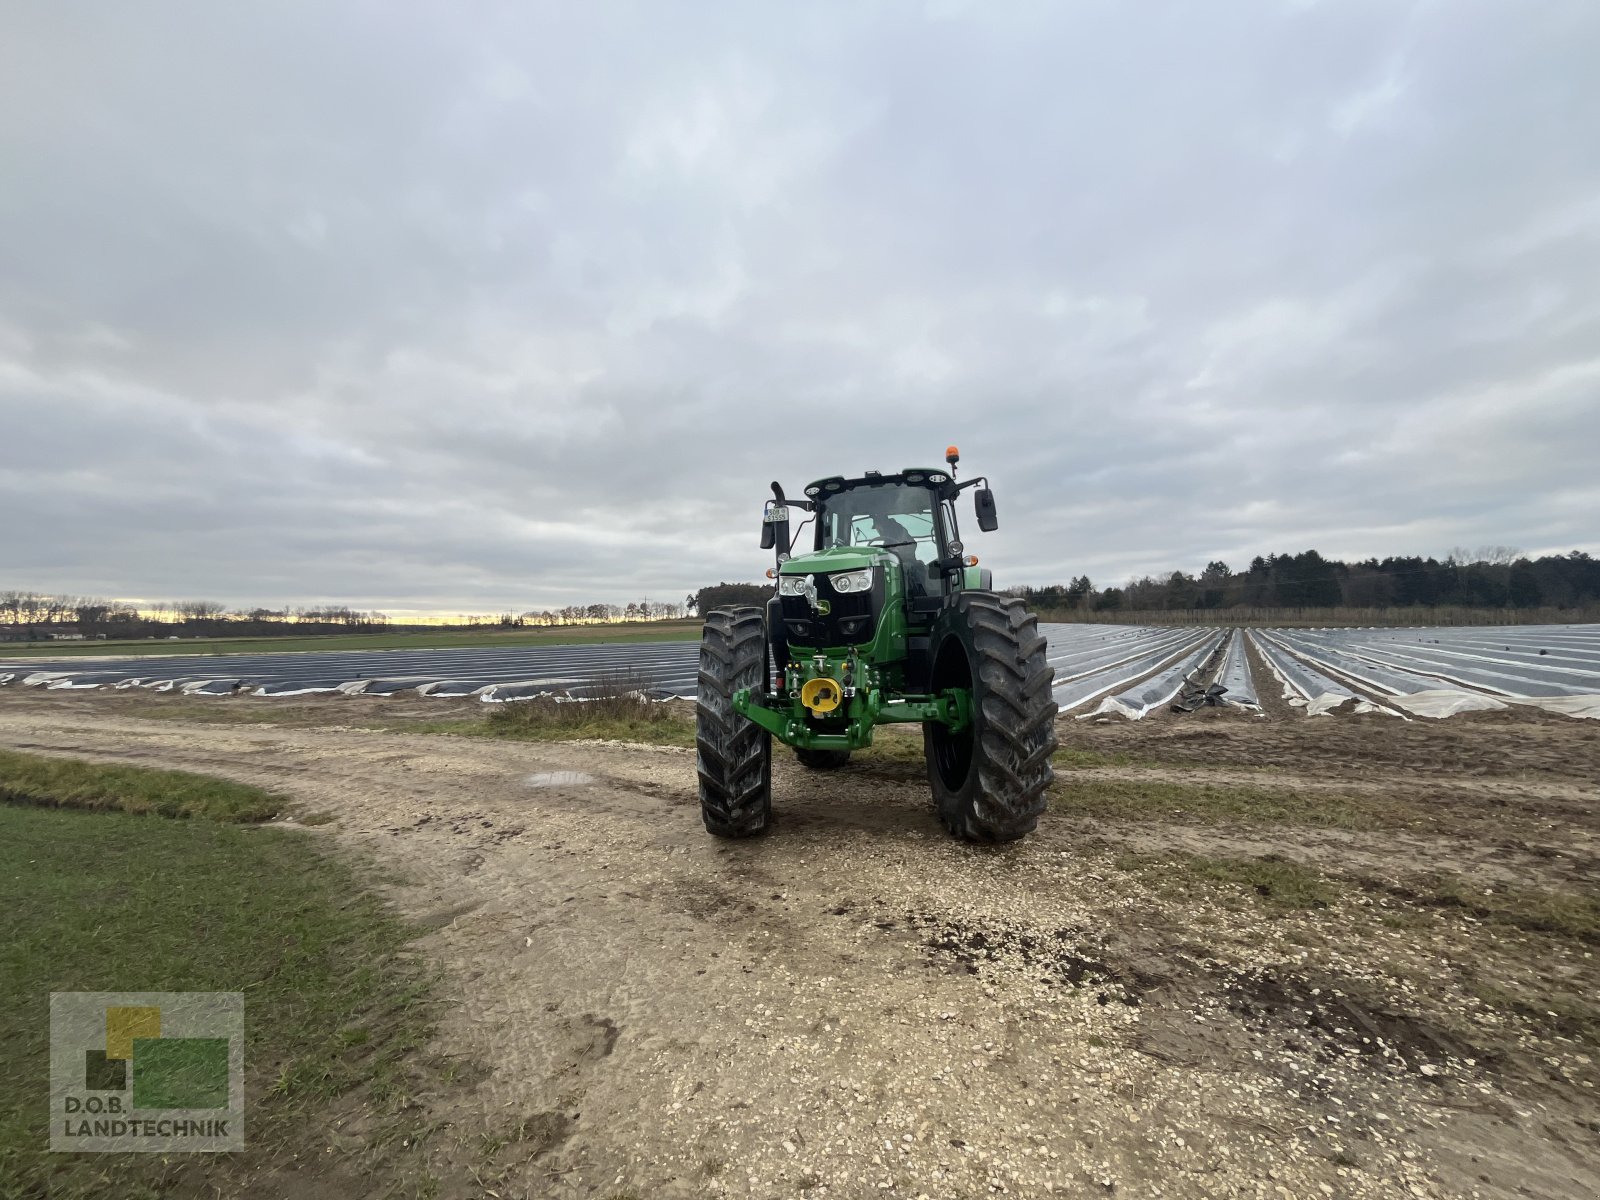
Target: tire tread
{"points": [[733, 755], [1015, 712]]}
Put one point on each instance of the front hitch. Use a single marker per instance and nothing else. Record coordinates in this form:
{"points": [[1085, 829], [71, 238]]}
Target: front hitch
{"points": [[788, 720]]}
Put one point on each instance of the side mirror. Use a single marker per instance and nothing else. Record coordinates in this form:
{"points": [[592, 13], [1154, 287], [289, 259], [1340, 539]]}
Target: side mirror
{"points": [[775, 526], [983, 501]]}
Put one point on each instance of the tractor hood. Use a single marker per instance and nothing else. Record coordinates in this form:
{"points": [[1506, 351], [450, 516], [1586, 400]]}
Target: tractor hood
{"points": [[835, 558], [816, 614]]}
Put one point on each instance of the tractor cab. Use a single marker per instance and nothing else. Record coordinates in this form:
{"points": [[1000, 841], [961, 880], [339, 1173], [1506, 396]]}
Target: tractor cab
{"points": [[908, 516], [885, 559], [902, 515]]}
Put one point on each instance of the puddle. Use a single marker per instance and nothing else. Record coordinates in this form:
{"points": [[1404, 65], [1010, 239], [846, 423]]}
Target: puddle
{"points": [[558, 779]]}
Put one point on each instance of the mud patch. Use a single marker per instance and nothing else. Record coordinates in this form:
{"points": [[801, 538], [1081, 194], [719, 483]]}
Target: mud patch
{"points": [[1321, 1018], [607, 1032], [1054, 954], [710, 901], [1181, 985]]}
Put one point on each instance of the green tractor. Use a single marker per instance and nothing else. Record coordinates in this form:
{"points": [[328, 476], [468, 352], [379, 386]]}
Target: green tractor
{"points": [[885, 619]]}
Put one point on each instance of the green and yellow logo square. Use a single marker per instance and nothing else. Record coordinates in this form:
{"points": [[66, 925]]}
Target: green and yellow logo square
{"points": [[146, 1071]]}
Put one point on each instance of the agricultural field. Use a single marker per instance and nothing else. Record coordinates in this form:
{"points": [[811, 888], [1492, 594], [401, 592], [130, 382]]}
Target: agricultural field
{"points": [[1127, 669], [451, 637], [1250, 951]]}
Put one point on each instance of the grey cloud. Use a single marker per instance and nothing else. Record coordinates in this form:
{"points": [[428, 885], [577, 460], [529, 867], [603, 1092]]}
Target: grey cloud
{"points": [[518, 305]]}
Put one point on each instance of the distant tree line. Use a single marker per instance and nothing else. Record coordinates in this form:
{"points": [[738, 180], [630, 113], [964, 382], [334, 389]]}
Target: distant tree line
{"points": [[589, 614], [1496, 577], [36, 616], [27, 616]]}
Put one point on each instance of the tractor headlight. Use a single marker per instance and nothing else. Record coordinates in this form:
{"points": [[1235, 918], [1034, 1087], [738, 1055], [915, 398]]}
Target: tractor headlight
{"points": [[792, 585], [851, 581]]}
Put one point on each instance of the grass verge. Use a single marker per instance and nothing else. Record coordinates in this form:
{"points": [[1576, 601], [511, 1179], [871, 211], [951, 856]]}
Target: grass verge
{"points": [[335, 1011], [1221, 804], [617, 717], [1077, 756], [1275, 882], [1567, 915], [70, 783]]}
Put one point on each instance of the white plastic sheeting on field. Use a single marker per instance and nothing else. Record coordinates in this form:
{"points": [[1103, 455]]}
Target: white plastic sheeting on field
{"points": [[1091, 660], [1235, 674], [1436, 672], [1303, 685], [1423, 696], [1162, 687], [489, 673]]}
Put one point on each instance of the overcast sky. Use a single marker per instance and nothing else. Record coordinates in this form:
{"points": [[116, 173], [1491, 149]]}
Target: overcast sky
{"points": [[468, 307]]}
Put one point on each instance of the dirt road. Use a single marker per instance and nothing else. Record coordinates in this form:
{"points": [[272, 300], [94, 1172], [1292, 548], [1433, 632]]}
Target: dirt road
{"points": [[855, 1005]]}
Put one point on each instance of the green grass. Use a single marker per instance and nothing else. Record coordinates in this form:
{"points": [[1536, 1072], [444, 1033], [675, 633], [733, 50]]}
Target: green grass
{"points": [[1565, 914], [69, 783], [1220, 804], [1069, 757], [903, 744], [890, 744], [110, 901], [1275, 882], [540, 720], [225, 710], [444, 638], [617, 718]]}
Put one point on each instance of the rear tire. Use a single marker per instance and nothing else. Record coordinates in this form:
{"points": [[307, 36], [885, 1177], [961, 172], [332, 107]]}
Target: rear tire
{"points": [[989, 781], [822, 760], [732, 753]]}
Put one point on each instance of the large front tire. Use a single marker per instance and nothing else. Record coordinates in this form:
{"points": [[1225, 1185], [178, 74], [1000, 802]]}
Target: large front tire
{"points": [[732, 753], [989, 781]]}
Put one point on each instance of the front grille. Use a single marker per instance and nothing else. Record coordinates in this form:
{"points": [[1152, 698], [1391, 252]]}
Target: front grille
{"points": [[851, 619]]}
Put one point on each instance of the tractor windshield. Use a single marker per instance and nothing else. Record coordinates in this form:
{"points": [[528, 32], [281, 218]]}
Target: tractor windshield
{"points": [[894, 516]]}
